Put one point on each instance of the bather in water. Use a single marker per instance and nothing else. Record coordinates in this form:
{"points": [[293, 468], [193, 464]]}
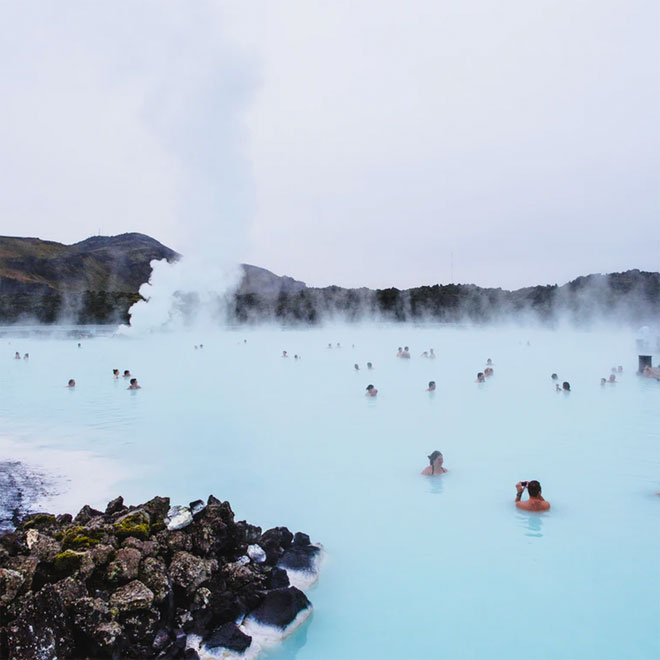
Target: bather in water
{"points": [[435, 464], [536, 502]]}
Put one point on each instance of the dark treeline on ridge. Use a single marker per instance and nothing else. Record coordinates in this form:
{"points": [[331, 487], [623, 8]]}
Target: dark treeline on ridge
{"points": [[630, 296], [97, 280]]}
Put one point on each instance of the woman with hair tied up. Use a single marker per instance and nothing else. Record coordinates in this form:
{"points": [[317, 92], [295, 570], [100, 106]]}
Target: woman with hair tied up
{"points": [[435, 464]]}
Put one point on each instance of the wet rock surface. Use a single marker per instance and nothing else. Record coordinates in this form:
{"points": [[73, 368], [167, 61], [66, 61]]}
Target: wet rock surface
{"points": [[126, 583]]}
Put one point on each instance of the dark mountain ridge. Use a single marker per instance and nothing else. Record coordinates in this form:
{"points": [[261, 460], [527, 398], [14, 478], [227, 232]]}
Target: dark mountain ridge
{"points": [[97, 280]]}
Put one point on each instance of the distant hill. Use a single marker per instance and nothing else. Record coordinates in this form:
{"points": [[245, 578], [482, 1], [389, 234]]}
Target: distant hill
{"points": [[100, 263], [98, 279]]}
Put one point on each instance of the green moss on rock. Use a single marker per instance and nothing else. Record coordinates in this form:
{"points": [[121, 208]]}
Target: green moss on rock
{"points": [[80, 537], [68, 561], [136, 523]]}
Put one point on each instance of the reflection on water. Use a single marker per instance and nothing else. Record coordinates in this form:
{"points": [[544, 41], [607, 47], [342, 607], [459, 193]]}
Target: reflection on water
{"points": [[435, 484], [532, 522]]}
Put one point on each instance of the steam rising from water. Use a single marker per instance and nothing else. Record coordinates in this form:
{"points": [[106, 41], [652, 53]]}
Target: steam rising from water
{"points": [[195, 105]]}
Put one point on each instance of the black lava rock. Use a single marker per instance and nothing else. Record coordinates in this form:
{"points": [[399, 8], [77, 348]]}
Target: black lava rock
{"points": [[118, 584], [299, 558], [280, 607], [228, 636]]}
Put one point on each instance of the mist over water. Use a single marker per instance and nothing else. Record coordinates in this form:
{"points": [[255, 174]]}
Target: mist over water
{"points": [[412, 562]]}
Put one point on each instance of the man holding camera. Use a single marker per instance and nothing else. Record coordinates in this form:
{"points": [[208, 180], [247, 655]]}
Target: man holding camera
{"points": [[535, 501]]}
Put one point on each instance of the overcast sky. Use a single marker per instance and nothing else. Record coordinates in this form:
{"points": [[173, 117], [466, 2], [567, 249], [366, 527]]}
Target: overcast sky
{"points": [[505, 143]]}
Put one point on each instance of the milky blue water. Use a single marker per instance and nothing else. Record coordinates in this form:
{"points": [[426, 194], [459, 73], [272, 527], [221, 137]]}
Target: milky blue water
{"points": [[416, 567]]}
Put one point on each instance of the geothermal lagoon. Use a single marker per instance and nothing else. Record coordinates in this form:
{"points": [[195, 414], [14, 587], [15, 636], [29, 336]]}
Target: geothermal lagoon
{"points": [[415, 567]]}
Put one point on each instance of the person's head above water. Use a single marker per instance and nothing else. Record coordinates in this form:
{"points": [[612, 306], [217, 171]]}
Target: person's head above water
{"points": [[433, 455], [127, 373], [431, 386], [480, 377], [533, 488], [371, 390], [356, 366], [435, 464], [72, 383], [554, 377], [566, 386], [603, 381], [369, 365]]}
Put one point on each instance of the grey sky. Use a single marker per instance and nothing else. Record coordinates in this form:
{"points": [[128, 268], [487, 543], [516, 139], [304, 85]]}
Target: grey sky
{"points": [[355, 143]]}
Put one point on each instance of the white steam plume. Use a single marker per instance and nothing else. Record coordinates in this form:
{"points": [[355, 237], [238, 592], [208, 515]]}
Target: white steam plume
{"points": [[197, 110]]}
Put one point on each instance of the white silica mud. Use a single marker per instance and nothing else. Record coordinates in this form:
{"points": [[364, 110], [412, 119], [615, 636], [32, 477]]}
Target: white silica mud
{"points": [[414, 566]]}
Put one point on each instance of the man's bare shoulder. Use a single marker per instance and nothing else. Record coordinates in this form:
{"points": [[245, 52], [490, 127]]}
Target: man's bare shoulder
{"points": [[533, 506]]}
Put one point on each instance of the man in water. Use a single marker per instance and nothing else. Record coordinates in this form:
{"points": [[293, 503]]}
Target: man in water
{"points": [[651, 372], [535, 501], [369, 365], [285, 354], [127, 373], [435, 464], [399, 352], [431, 354], [115, 373], [406, 353], [371, 391], [134, 385], [72, 383], [17, 356], [480, 377], [356, 366], [431, 387]]}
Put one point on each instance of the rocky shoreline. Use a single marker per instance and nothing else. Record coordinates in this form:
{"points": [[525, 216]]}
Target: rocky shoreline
{"points": [[150, 581]]}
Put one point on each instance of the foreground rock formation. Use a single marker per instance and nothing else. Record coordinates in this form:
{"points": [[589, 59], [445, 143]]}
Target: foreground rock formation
{"points": [[151, 581]]}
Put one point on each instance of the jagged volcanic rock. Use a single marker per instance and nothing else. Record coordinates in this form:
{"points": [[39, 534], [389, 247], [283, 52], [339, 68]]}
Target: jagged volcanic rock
{"points": [[119, 584]]}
